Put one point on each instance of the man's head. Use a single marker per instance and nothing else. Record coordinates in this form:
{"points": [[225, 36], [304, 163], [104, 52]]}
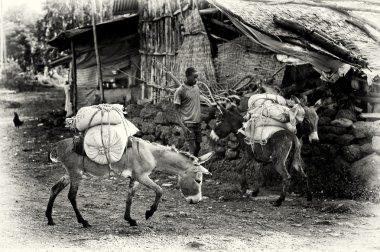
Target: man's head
{"points": [[191, 76]]}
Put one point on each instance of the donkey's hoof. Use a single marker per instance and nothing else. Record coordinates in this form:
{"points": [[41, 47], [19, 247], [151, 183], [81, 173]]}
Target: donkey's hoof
{"points": [[309, 198], [255, 193], [86, 224], [148, 214], [51, 223], [132, 223], [277, 203]]}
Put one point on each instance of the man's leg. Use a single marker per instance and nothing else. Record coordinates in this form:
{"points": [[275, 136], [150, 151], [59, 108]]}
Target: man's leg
{"points": [[198, 139], [193, 149]]}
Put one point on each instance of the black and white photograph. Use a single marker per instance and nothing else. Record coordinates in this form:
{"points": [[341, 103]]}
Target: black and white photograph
{"points": [[190, 125]]}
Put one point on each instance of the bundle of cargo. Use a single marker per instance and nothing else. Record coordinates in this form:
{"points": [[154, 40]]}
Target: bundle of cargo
{"points": [[268, 114], [106, 131]]}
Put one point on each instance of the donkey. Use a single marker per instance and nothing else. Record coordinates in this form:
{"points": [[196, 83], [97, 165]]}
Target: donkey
{"points": [[278, 148], [137, 163]]}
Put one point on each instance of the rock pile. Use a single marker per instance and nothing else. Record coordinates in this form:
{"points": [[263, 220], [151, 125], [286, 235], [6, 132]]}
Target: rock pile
{"points": [[346, 162]]}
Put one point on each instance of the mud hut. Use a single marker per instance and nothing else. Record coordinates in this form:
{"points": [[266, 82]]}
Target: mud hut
{"points": [[120, 61]]}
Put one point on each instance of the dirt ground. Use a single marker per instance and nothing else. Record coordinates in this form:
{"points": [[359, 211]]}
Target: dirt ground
{"points": [[224, 221]]}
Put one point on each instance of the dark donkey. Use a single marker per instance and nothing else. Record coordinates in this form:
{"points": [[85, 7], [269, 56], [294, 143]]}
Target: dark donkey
{"points": [[279, 147]]}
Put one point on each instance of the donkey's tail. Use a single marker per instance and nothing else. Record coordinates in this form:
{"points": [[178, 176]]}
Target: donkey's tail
{"points": [[53, 154], [297, 162]]}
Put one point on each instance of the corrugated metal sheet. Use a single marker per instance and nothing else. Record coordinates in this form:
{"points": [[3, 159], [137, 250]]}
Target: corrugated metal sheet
{"points": [[121, 7]]}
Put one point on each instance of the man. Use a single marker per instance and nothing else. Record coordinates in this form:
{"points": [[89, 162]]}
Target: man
{"points": [[188, 110]]}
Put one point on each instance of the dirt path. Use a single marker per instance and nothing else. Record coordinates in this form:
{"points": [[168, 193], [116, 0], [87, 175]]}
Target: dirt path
{"points": [[223, 221]]}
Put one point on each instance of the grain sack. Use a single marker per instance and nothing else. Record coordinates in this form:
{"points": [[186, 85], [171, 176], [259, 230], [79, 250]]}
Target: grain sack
{"points": [[114, 138], [274, 111], [259, 131], [265, 99], [112, 114]]}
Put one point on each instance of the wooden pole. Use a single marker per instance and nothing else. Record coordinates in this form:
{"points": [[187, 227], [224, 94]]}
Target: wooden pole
{"points": [[99, 67], [74, 76], [3, 55]]}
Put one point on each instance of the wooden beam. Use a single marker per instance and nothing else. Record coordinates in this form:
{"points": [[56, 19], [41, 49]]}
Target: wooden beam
{"points": [[370, 115], [226, 26], [208, 11]]}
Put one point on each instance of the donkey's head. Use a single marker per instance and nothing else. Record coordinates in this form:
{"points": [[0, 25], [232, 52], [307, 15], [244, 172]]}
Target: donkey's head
{"points": [[309, 125], [229, 120], [190, 179]]}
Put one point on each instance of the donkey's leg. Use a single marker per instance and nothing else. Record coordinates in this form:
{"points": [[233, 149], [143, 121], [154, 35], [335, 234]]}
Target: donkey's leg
{"points": [[145, 180], [243, 173], [243, 179], [74, 184], [133, 184], [256, 167], [55, 190], [281, 169], [309, 196]]}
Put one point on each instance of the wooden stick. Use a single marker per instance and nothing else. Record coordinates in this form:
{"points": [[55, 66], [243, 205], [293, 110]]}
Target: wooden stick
{"points": [[370, 115], [99, 67], [74, 76]]}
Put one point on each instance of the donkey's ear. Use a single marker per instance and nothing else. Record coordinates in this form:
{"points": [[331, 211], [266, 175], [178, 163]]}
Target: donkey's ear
{"points": [[318, 104], [205, 157], [200, 168], [297, 113]]}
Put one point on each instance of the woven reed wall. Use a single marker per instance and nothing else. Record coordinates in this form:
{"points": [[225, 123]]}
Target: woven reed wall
{"points": [[241, 57], [160, 38], [195, 51]]}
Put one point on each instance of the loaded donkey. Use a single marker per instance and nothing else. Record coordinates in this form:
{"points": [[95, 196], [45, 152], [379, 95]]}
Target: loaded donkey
{"points": [[271, 142], [97, 156]]}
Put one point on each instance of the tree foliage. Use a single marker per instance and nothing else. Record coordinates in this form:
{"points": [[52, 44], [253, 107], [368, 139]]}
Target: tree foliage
{"points": [[65, 15], [28, 33]]}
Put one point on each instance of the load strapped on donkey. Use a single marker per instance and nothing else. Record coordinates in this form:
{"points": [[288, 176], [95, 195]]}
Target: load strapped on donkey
{"points": [[106, 132], [268, 114]]}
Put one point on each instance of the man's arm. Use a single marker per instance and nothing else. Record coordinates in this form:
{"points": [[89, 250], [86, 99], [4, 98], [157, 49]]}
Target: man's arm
{"points": [[179, 120]]}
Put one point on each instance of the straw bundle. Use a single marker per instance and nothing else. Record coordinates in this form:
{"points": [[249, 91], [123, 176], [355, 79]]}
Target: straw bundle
{"points": [[195, 51]]}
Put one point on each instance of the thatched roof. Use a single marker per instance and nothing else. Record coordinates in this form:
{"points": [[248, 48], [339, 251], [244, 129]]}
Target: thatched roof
{"points": [[259, 15], [83, 35]]}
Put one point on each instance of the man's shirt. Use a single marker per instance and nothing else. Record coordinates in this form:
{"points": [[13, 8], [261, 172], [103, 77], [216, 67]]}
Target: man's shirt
{"points": [[188, 98]]}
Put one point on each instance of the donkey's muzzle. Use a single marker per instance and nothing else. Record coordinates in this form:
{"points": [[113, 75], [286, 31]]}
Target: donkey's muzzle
{"points": [[194, 199], [313, 137]]}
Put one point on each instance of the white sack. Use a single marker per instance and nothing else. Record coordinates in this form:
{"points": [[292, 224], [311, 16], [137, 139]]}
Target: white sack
{"points": [[112, 114], [114, 138]]}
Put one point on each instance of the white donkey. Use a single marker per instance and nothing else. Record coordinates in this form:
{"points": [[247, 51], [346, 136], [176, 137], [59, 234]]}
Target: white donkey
{"points": [[137, 163]]}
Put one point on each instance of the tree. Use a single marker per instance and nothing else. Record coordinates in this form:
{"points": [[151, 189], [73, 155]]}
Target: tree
{"points": [[64, 15], [20, 39]]}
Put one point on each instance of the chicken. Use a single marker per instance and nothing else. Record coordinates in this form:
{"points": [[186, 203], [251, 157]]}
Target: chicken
{"points": [[16, 120]]}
